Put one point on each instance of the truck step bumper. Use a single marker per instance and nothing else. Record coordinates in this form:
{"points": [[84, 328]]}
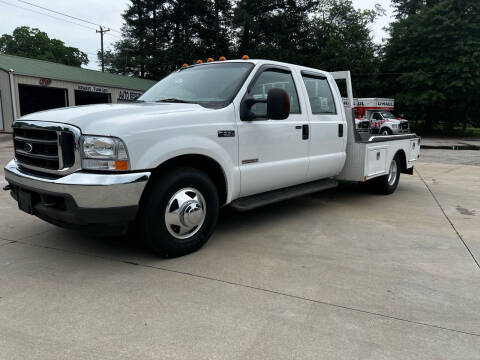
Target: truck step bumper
{"points": [[79, 198]]}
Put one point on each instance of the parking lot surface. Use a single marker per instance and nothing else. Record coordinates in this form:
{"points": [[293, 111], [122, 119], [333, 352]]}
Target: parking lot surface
{"points": [[343, 274]]}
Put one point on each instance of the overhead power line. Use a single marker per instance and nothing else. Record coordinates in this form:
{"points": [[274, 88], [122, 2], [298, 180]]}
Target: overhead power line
{"points": [[67, 15], [50, 16], [54, 17]]}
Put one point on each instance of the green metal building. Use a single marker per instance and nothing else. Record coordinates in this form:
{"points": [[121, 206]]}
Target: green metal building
{"points": [[28, 85]]}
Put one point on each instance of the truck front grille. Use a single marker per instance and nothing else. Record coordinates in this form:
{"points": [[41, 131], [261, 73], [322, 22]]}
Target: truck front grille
{"points": [[404, 125], [37, 148], [52, 151]]}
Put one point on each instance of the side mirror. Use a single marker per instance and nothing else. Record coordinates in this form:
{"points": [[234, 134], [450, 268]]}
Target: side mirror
{"points": [[278, 106]]}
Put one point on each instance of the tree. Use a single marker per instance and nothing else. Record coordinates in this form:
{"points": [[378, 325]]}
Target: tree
{"points": [[329, 34], [432, 63], [274, 29], [35, 44], [341, 40], [405, 8], [161, 35]]}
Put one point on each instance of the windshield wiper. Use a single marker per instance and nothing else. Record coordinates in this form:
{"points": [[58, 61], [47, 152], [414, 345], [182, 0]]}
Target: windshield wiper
{"points": [[174, 100]]}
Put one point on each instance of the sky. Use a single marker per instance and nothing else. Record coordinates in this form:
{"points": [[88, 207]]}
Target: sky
{"points": [[14, 13]]}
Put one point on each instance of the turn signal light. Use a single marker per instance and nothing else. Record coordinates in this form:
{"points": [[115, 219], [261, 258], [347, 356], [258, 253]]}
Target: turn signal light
{"points": [[222, 58], [121, 165], [199, 61], [245, 57], [210, 60]]}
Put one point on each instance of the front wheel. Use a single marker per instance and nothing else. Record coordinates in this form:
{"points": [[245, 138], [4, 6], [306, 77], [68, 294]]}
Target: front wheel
{"points": [[179, 213]]}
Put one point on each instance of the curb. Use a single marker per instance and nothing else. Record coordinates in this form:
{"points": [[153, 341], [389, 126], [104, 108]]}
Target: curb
{"points": [[451, 147]]}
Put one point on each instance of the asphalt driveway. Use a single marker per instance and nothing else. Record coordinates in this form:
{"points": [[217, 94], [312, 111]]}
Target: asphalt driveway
{"points": [[342, 274]]}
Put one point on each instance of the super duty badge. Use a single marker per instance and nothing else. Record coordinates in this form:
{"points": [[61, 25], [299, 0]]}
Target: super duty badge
{"points": [[226, 133]]}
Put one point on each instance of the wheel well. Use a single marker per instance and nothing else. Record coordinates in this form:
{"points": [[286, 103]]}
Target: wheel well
{"points": [[403, 160], [200, 162]]}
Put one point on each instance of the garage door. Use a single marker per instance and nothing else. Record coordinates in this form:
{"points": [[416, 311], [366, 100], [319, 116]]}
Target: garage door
{"points": [[37, 98], [87, 97]]}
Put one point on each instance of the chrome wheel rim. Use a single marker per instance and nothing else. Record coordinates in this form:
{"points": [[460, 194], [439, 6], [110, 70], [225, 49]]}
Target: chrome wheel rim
{"points": [[392, 174], [185, 213]]}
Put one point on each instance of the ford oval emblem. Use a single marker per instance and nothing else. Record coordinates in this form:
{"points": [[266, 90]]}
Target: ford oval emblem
{"points": [[28, 147]]}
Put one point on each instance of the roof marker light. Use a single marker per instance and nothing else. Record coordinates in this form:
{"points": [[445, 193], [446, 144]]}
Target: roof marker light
{"points": [[184, 65], [210, 60], [222, 58], [245, 57], [199, 61]]}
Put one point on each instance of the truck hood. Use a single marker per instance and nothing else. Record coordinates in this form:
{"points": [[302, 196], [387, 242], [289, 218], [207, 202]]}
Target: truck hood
{"points": [[115, 119]]}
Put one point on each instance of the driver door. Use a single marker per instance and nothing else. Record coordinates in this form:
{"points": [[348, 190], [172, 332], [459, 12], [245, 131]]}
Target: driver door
{"points": [[273, 153]]}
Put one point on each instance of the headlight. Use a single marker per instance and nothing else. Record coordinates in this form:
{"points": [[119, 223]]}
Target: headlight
{"points": [[104, 153], [395, 126]]}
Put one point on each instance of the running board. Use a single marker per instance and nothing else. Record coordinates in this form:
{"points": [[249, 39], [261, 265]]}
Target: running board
{"points": [[254, 201]]}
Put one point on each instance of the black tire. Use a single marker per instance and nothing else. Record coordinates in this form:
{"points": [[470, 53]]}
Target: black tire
{"points": [[387, 131], [152, 224], [386, 184]]}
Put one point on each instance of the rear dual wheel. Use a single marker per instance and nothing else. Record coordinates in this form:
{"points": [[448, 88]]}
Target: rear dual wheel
{"points": [[179, 213], [387, 184]]}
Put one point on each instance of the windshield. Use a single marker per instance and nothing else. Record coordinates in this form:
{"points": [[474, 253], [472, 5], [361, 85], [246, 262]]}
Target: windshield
{"points": [[212, 85], [388, 115]]}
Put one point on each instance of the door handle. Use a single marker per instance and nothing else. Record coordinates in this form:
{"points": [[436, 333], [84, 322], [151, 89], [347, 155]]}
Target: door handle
{"points": [[340, 130], [305, 132]]}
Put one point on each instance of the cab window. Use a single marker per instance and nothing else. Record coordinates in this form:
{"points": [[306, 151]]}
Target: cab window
{"points": [[320, 95], [274, 78], [377, 116]]}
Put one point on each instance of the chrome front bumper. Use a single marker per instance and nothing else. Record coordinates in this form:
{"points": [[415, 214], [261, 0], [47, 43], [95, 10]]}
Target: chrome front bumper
{"points": [[88, 190]]}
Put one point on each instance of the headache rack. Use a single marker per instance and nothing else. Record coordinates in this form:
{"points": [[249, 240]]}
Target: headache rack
{"points": [[46, 147]]}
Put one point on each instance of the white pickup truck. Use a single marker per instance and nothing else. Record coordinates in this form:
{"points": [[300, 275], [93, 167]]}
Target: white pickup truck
{"points": [[243, 133]]}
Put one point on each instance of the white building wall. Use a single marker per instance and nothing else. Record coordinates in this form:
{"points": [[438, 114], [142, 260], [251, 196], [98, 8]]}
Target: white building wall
{"points": [[118, 95]]}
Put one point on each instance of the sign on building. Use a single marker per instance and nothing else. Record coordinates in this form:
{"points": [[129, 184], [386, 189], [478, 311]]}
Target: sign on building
{"points": [[128, 95], [91, 88]]}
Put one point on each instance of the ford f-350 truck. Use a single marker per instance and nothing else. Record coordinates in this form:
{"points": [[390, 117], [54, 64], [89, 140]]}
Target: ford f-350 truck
{"points": [[243, 133]]}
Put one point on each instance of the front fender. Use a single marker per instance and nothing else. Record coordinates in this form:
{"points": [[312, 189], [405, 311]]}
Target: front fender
{"points": [[225, 155]]}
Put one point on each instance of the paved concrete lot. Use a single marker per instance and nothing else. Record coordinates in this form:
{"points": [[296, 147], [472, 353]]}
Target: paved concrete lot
{"points": [[456, 157], [342, 274]]}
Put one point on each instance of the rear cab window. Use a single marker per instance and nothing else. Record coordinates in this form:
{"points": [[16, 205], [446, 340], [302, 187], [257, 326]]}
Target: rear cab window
{"points": [[319, 94]]}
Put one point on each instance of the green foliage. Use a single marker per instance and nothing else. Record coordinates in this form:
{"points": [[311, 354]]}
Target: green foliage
{"points": [[35, 44], [161, 35], [433, 57]]}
